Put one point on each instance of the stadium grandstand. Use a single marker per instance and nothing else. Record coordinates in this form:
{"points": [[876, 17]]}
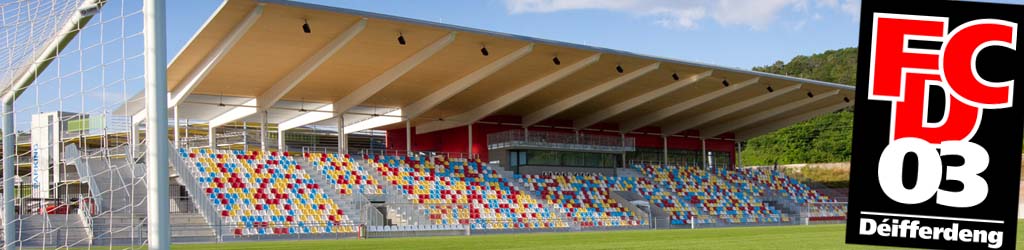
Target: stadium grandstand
{"points": [[290, 120]]}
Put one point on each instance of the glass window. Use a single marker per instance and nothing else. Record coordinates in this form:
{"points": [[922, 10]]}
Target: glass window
{"points": [[564, 158], [575, 159], [513, 158], [719, 159], [540, 157]]}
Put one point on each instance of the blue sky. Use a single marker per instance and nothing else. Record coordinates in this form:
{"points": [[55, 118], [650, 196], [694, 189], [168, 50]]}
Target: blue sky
{"points": [[732, 33]]}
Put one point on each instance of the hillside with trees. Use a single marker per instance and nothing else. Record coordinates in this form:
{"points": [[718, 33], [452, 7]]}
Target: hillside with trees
{"points": [[826, 138]]}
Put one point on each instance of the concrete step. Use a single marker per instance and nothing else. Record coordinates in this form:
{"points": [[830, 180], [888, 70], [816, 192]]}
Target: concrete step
{"points": [[54, 230]]}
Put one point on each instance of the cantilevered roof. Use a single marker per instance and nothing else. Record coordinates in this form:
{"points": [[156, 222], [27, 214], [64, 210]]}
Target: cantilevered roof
{"points": [[254, 55]]}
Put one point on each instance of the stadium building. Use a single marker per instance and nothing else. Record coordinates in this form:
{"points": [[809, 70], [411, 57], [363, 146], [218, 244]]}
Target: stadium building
{"points": [[292, 120]]}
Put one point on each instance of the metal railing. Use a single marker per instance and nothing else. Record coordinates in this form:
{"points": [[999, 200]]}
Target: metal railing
{"points": [[823, 212], [560, 141], [403, 153], [71, 154], [86, 216], [186, 174]]}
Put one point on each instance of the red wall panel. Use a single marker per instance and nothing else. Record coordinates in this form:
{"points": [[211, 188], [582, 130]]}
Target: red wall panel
{"points": [[455, 140]]}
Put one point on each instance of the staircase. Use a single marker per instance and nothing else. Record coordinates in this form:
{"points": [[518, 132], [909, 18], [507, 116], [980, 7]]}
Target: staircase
{"points": [[120, 192], [353, 204], [621, 198], [657, 216], [518, 184], [400, 210], [787, 206], [55, 230], [119, 229]]}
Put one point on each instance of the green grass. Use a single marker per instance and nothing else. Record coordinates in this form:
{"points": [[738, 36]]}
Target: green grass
{"points": [[787, 237]]}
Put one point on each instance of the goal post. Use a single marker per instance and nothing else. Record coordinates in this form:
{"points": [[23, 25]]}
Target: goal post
{"points": [[156, 124]]}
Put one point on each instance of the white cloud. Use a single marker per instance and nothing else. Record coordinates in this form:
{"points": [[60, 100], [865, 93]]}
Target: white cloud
{"points": [[851, 7], [828, 3], [755, 14]]}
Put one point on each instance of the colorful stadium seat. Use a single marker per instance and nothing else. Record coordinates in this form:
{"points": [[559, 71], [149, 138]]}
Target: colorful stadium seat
{"points": [[265, 193], [348, 176], [466, 192], [818, 206], [583, 198], [715, 198]]}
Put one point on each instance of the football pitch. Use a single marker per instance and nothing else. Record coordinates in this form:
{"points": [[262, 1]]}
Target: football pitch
{"points": [[780, 237]]}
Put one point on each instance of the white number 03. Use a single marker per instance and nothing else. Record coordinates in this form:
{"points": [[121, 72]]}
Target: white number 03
{"points": [[929, 172]]}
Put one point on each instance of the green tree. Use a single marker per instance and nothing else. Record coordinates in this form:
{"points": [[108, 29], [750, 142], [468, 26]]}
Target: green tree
{"points": [[826, 138]]}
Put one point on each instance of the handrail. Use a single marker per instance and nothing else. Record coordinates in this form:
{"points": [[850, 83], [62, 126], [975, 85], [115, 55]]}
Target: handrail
{"points": [[392, 195], [71, 152], [559, 140], [87, 222], [371, 216], [318, 177], [403, 153], [186, 174]]}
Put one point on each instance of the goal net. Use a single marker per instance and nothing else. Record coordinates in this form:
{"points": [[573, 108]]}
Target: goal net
{"points": [[75, 159]]}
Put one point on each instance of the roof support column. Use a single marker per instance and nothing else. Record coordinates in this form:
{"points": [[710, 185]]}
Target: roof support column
{"points": [[263, 131], [245, 137], [177, 129], [739, 158], [210, 139], [623, 136], [408, 138], [664, 150], [469, 151], [704, 152], [280, 141], [342, 137]]}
